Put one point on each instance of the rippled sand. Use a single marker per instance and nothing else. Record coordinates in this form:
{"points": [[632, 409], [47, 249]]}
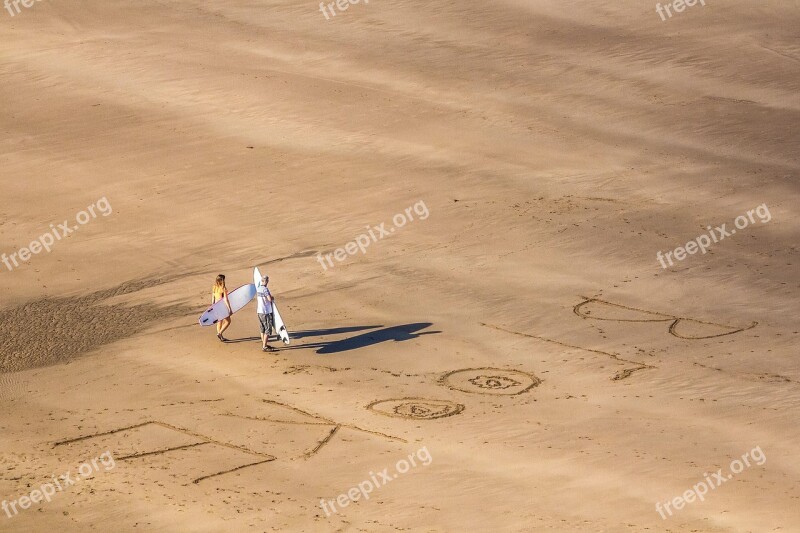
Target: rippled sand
{"points": [[522, 332]]}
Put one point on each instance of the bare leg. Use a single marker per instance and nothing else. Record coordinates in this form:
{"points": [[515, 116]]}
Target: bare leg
{"points": [[224, 325]]}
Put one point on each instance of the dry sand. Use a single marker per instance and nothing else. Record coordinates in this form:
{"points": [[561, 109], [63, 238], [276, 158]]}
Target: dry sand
{"points": [[523, 333]]}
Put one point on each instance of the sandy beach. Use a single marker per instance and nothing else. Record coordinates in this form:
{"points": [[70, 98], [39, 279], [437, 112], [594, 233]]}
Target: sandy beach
{"points": [[538, 262]]}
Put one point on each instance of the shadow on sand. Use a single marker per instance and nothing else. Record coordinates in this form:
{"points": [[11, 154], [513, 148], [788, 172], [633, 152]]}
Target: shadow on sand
{"points": [[333, 331], [401, 333], [244, 339], [295, 335]]}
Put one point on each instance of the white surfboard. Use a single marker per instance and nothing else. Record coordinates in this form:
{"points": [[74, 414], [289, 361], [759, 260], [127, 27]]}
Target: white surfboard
{"points": [[280, 327], [239, 297]]}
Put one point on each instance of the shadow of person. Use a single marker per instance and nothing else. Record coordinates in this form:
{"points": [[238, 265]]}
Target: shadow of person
{"points": [[245, 339], [332, 331], [394, 333], [306, 333]]}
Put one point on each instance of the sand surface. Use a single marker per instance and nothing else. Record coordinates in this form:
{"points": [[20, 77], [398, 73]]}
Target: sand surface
{"points": [[519, 330]]}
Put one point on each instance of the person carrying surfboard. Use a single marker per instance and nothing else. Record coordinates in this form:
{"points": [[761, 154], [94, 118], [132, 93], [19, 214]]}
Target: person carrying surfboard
{"points": [[265, 318], [220, 292]]}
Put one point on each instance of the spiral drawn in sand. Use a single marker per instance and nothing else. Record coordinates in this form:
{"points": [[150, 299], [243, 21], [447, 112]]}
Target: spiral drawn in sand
{"points": [[494, 381], [416, 408]]}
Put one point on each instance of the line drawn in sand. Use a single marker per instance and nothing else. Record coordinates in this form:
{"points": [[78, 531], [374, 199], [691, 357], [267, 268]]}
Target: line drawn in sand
{"points": [[317, 420], [660, 317], [494, 381], [752, 376], [204, 440], [307, 369], [622, 374], [416, 408]]}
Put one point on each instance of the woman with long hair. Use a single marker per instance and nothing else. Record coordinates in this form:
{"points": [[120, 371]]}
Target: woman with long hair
{"points": [[220, 292]]}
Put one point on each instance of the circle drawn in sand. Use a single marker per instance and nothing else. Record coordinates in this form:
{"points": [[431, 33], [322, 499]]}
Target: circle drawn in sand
{"points": [[416, 408], [496, 381]]}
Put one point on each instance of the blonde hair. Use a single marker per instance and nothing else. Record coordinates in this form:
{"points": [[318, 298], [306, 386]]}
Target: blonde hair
{"points": [[219, 283]]}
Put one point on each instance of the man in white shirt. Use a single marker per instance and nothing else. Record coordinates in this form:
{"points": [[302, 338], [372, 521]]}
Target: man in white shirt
{"points": [[265, 317]]}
